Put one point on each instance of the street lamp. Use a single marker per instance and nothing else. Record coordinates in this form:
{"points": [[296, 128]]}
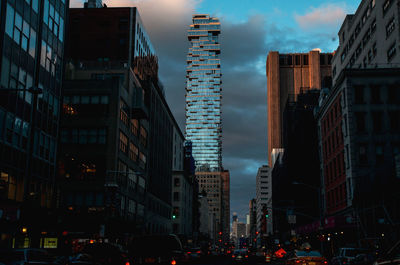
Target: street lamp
{"points": [[318, 189]]}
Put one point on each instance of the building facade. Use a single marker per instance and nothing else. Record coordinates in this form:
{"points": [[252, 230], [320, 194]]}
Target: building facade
{"points": [[358, 164], [288, 75], [117, 76], [369, 38], [264, 200], [203, 93], [226, 209], [32, 37]]}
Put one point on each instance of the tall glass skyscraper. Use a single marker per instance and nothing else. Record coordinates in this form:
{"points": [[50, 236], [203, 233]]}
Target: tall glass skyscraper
{"points": [[203, 93]]}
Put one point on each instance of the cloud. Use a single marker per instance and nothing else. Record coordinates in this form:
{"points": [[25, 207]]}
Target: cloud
{"points": [[329, 15]]}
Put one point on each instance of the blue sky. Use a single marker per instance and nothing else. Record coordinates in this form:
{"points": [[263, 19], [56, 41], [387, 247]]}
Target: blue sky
{"points": [[250, 29]]}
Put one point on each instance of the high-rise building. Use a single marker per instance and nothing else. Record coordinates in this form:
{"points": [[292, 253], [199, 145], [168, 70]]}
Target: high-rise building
{"points": [[31, 62], [288, 75], [203, 93], [225, 178], [117, 164]]}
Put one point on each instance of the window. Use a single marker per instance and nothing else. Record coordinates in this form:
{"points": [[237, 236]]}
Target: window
{"points": [[142, 159], [123, 115], [134, 126], [20, 31], [143, 136], [390, 27], [133, 152], [123, 142], [391, 51], [305, 59], [176, 196], [297, 59], [177, 182], [375, 95], [377, 120], [360, 121], [394, 117], [379, 154], [386, 6], [359, 94]]}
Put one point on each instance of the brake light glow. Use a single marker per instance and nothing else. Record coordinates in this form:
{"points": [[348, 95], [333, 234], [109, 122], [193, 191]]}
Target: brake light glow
{"points": [[198, 252], [325, 262], [233, 256], [173, 262], [297, 261], [189, 252], [127, 263], [246, 256]]}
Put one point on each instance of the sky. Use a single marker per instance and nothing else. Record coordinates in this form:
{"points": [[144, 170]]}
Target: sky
{"points": [[249, 30]]}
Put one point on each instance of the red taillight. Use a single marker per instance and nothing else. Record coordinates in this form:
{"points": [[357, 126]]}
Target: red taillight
{"points": [[173, 262], [325, 262], [189, 252], [127, 263], [228, 252], [198, 252], [298, 261], [233, 256], [246, 256]]}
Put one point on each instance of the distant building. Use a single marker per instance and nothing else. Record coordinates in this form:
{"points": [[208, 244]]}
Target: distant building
{"points": [[264, 200], [203, 93], [205, 225], [225, 225], [252, 220], [288, 75]]}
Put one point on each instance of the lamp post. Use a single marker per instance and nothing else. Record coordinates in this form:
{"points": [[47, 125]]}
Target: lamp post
{"points": [[318, 189]]}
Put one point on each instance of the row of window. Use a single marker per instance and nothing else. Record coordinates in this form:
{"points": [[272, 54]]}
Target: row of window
{"points": [[133, 153], [335, 168], [92, 99], [376, 94], [379, 153], [378, 121], [14, 130], [53, 20], [84, 136], [20, 31]]}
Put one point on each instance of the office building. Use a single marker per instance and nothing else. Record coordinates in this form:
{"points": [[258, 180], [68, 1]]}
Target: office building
{"points": [[203, 93], [288, 75], [114, 106], [32, 37]]}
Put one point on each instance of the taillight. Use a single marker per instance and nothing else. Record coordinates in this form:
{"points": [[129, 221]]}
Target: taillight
{"points": [[246, 256], [198, 252], [233, 256], [297, 261], [325, 262], [127, 263], [173, 262], [189, 252]]}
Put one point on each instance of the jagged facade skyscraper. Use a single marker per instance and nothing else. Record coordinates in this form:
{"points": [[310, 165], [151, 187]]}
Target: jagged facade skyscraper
{"points": [[203, 93]]}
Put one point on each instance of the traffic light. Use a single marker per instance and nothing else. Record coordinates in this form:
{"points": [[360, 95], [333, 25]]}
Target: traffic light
{"points": [[173, 216]]}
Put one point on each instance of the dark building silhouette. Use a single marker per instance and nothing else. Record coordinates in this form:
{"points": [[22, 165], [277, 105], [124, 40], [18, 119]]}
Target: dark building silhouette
{"points": [[32, 55], [296, 176], [116, 152]]}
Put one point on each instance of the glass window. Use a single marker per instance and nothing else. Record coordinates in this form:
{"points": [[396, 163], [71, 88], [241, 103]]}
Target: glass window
{"points": [[10, 21], [95, 99], [35, 5], [104, 99], [92, 137], [85, 99], [17, 36], [18, 21], [24, 43], [46, 12], [5, 71], [83, 135], [61, 33], [102, 136]]}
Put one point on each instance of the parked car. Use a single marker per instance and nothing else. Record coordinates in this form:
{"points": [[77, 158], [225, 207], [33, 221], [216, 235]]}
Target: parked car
{"points": [[391, 257], [194, 253], [305, 257], [346, 255], [161, 249], [26, 256], [240, 255], [106, 254]]}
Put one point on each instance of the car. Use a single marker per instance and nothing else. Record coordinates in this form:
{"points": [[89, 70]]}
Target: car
{"points": [[391, 257], [26, 256], [194, 253], [305, 257], [240, 255], [159, 249], [346, 255], [105, 254]]}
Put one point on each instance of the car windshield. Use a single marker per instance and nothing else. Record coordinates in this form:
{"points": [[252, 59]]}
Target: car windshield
{"points": [[308, 254], [351, 252]]}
